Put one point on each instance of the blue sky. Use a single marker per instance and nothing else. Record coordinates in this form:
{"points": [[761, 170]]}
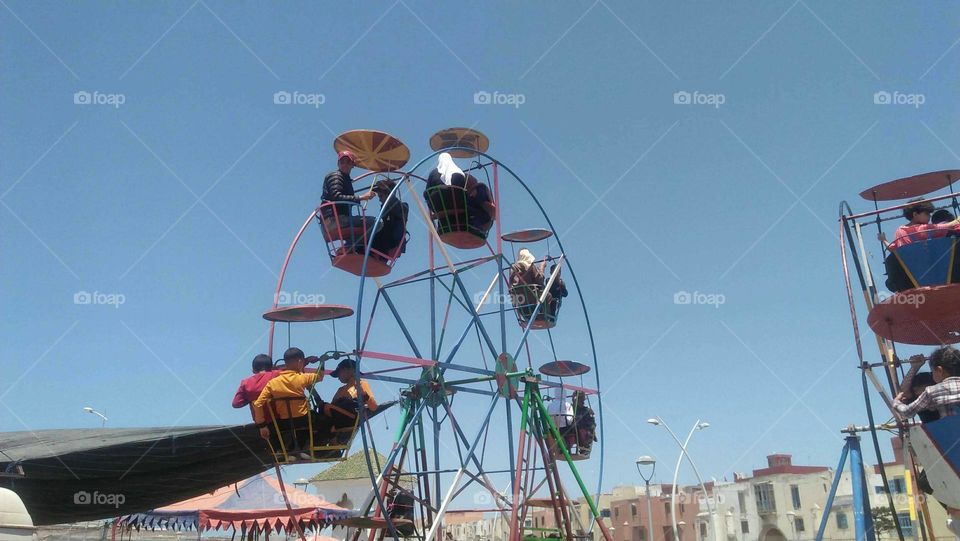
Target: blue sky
{"points": [[183, 198]]}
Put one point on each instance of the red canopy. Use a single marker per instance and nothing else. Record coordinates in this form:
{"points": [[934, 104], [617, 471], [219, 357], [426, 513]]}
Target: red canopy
{"points": [[254, 503]]}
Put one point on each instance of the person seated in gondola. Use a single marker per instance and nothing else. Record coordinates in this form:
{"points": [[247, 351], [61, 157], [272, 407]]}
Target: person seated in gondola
{"points": [[944, 395], [480, 204], [561, 412], [341, 411], [251, 387], [586, 423], [284, 397], [393, 231], [557, 291], [920, 226], [446, 173], [338, 187], [924, 224], [525, 272], [481, 210], [401, 506]]}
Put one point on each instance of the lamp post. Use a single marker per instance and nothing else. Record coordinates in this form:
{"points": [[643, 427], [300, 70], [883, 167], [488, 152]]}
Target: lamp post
{"points": [[643, 462], [103, 417], [699, 425]]}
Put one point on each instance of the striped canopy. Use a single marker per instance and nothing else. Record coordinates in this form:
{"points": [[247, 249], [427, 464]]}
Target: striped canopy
{"points": [[256, 503]]}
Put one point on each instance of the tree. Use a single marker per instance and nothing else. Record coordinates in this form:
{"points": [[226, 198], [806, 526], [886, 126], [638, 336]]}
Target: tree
{"points": [[883, 520]]}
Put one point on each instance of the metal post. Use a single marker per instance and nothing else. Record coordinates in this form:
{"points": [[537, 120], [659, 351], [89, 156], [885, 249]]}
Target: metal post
{"points": [[859, 497], [833, 491], [649, 511]]}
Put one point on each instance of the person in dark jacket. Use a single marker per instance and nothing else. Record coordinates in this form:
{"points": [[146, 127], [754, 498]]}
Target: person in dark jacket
{"points": [[393, 230], [557, 291], [338, 186]]}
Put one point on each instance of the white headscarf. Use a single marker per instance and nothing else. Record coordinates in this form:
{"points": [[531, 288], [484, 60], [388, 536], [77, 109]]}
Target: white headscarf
{"points": [[447, 168], [525, 258]]}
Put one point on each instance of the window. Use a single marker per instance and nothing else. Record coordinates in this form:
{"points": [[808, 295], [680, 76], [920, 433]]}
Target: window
{"points": [[703, 530], [842, 523], [633, 509], [795, 496], [897, 486], [766, 503], [742, 500], [666, 507], [641, 533], [906, 525], [744, 526], [616, 512], [605, 513], [799, 525], [683, 508]]}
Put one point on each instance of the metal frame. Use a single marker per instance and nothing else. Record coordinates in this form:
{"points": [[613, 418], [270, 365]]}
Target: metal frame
{"points": [[852, 248], [412, 435]]}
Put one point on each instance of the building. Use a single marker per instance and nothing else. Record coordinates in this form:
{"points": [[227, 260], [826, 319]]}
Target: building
{"points": [[346, 484], [897, 479]]}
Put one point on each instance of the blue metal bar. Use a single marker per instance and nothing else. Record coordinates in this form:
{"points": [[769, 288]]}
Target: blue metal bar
{"points": [[857, 480], [833, 491], [475, 317], [403, 328]]}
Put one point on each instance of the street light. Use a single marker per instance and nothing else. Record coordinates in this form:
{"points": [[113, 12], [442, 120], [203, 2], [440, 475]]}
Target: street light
{"points": [[699, 425], [103, 417], [642, 462]]}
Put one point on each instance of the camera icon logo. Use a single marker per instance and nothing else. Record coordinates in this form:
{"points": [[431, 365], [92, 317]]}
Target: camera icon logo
{"points": [[881, 98], [82, 98], [482, 98], [281, 97], [681, 97], [284, 297], [82, 498], [682, 297], [82, 297]]}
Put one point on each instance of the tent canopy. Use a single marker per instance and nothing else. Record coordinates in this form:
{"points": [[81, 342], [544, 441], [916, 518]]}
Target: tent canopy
{"points": [[254, 503], [79, 474]]}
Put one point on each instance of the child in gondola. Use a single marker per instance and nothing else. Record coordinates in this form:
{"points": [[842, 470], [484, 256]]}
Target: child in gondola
{"points": [[942, 397], [920, 228]]}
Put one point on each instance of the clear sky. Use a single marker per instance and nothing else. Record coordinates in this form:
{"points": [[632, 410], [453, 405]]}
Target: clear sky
{"points": [[181, 185]]}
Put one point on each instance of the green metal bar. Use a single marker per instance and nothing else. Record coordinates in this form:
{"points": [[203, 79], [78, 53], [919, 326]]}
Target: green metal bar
{"points": [[404, 419]]}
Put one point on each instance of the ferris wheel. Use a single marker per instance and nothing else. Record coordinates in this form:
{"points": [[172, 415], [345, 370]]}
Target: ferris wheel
{"points": [[495, 374]]}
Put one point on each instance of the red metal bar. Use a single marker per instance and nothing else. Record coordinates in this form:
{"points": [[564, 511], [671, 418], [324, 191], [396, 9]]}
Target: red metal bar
{"points": [[398, 358], [900, 206], [283, 272]]}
